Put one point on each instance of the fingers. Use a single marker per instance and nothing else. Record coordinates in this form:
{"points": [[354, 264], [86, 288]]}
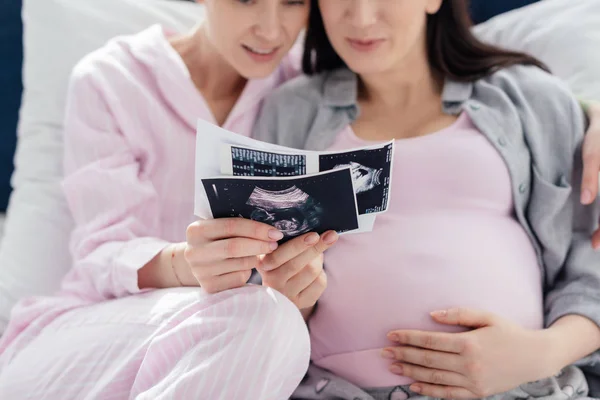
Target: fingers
{"points": [[443, 392], [228, 248], [298, 252], [465, 317], [591, 167], [301, 279], [309, 296], [309, 260], [209, 230], [448, 342], [305, 278], [225, 267], [426, 358], [225, 282], [289, 250], [434, 376]]}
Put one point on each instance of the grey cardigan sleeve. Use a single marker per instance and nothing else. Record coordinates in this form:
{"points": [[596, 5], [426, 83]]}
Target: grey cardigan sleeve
{"points": [[553, 126], [575, 288]]}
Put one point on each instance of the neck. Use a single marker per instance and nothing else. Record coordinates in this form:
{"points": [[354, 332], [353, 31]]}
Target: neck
{"points": [[412, 83], [211, 74]]}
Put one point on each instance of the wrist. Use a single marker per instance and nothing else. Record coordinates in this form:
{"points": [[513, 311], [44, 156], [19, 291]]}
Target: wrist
{"points": [[561, 350], [152, 275], [553, 355], [168, 269], [179, 268]]}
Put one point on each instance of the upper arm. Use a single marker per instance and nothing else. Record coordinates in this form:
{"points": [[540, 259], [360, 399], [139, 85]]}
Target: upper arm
{"points": [[108, 195]]}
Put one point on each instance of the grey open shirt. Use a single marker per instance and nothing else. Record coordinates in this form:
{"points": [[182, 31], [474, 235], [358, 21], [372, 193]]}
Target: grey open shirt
{"points": [[535, 124]]}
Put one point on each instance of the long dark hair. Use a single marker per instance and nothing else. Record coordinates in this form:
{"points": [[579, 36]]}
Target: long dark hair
{"points": [[453, 50]]}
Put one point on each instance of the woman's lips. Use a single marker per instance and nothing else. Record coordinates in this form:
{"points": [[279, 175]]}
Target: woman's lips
{"points": [[365, 45], [261, 55]]}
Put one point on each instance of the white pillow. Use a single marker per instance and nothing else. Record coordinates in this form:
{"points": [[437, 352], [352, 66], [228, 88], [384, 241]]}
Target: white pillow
{"points": [[34, 252], [564, 34]]}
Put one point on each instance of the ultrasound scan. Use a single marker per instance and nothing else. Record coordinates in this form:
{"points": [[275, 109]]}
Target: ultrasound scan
{"points": [[371, 172], [365, 178], [295, 206], [291, 210]]}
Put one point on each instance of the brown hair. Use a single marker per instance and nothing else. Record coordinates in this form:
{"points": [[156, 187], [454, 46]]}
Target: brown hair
{"points": [[453, 50]]}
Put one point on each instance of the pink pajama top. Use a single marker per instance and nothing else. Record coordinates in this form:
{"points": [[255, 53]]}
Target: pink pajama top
{"points": [[130, 133]]}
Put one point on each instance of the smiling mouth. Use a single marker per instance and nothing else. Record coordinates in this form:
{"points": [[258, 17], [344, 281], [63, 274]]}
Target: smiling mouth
{"points": [[261, 52]]}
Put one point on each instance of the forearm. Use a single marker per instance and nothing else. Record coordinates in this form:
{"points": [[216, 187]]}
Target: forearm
{"points": [[570, 339], [168, 269]]}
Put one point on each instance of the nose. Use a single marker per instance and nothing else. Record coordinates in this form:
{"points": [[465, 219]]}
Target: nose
{"points": [[269, 23], [363, 13]]}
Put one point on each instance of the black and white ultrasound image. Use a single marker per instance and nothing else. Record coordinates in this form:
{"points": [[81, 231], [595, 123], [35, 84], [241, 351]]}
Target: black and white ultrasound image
{"points": [[371, 171], [250, 162], [295, 206]]}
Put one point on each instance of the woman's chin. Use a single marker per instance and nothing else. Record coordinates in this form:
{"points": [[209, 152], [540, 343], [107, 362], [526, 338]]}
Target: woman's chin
{"points": [[253, 69], [366, 67]]}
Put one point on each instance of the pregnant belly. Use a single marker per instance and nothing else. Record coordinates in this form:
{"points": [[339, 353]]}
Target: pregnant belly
{"points": [[393, 278]]}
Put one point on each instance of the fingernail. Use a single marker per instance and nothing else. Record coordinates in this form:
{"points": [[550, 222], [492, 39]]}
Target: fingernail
{"points": [[439, 314], [275, 234], [415, 388], [388, 354], [586, 196], [273, 245], [397, 369], [393, 337], [311, 238], [265, 267], [330, 238]]}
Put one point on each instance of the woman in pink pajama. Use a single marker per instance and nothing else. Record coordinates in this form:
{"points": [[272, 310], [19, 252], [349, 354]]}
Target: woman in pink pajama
{"points": [[130, 320], [129, 166]]}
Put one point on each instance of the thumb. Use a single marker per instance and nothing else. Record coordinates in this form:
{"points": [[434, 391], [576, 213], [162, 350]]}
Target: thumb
{"points": [[464, 317]]}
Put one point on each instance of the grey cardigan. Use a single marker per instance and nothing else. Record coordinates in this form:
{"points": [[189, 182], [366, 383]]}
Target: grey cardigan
{"points": [[535, 124]]}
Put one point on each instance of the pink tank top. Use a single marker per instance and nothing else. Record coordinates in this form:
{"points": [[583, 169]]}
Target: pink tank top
{"points": [[448, 239]]}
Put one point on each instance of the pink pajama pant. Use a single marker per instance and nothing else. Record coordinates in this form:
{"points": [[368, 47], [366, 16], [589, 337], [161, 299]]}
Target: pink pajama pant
{"points": [[249, 343]]}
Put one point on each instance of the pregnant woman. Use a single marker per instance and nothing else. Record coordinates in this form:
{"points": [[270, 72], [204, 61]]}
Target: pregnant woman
{"points": [[480, 277]]}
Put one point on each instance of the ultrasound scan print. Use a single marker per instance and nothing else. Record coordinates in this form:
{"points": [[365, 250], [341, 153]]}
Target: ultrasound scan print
{"points": [[250, 162], [365, 178], [291, 210], [371, 172], [295, 206]]}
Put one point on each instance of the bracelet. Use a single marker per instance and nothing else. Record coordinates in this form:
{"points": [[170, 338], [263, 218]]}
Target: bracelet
{"points": [[173, 266]]}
